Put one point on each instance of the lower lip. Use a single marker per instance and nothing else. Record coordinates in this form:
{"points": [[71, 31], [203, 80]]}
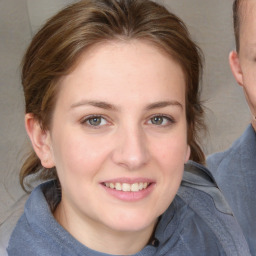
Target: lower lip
{"points": [[130, 196]]}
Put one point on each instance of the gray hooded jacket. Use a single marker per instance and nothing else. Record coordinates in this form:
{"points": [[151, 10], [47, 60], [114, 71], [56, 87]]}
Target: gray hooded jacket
{"points": [[198, 222]]}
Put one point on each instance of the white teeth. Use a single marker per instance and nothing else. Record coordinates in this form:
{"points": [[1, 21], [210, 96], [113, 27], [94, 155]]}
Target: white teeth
{"points": [[118, 186], [126, 187], [135, 187]]}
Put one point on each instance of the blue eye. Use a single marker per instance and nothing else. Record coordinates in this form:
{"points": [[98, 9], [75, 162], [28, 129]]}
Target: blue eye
{"points": [[95, 121]]}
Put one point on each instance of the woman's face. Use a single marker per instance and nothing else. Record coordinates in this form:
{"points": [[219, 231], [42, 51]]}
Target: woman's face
{"points": [[118, 138]]}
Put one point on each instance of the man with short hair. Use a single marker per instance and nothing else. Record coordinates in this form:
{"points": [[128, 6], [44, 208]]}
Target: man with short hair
{"points": [[235, 168]]}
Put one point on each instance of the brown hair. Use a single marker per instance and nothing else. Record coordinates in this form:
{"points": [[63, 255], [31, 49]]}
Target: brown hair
{"points": [[237, 21], [58, 45]]}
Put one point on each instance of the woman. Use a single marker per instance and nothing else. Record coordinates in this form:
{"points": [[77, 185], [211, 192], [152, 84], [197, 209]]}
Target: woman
{"points": [[112, 112]]}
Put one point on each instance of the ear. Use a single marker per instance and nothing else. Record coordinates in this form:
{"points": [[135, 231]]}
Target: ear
{"points": [[40, 140], [187, 153], [236, 67]]}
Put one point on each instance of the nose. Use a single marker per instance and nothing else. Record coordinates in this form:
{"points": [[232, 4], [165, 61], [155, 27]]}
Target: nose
{"points": [[131, 149]]}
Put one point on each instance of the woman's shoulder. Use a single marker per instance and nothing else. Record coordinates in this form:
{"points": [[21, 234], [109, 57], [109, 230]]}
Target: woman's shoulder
{"points": [[8, 222], [38, 233], [31, 224], [199, 221], [197, 179]]}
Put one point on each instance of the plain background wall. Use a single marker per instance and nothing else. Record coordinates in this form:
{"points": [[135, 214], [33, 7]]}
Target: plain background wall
{"points": [[210, 23]]}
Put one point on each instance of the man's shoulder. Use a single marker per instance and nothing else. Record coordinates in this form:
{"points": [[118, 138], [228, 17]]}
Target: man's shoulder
{"points": [[236, 150]]}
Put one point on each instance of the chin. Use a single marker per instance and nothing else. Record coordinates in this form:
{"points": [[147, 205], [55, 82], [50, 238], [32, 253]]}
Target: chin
{"points": [[132, 223]]}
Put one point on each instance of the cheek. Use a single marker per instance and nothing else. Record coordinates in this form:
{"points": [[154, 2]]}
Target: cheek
{"points": [[171, 159], [78, 155], [173, 148], [172, 154]]}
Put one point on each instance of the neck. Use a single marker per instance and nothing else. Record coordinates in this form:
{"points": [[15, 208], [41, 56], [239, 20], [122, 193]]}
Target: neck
{"points": [[101, 238]]}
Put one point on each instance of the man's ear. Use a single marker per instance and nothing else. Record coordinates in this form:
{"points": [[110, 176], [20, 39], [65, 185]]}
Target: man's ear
{"points": [[40, 140], [236, 67]]}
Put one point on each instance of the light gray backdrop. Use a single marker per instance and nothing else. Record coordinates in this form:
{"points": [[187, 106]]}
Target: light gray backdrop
{"points": [[210, 23]]}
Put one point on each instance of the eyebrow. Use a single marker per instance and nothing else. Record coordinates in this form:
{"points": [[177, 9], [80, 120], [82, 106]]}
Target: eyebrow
{"points": [[98, 104], [163, 104], [108, 106]]}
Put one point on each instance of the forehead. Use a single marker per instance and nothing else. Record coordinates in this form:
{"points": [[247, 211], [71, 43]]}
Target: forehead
{"points": [[114, 66]]}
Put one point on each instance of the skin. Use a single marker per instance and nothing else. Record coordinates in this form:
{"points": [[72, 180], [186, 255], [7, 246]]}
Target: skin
{"points": [[136, 94], [243, 63]]}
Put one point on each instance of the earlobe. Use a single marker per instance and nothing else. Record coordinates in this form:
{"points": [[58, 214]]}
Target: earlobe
{"points": [[40, 140], [236, 67], [187, 154]]}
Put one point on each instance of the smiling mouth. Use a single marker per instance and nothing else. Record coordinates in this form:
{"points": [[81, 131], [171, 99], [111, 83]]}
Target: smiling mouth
{"points": [[125, 187]]}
